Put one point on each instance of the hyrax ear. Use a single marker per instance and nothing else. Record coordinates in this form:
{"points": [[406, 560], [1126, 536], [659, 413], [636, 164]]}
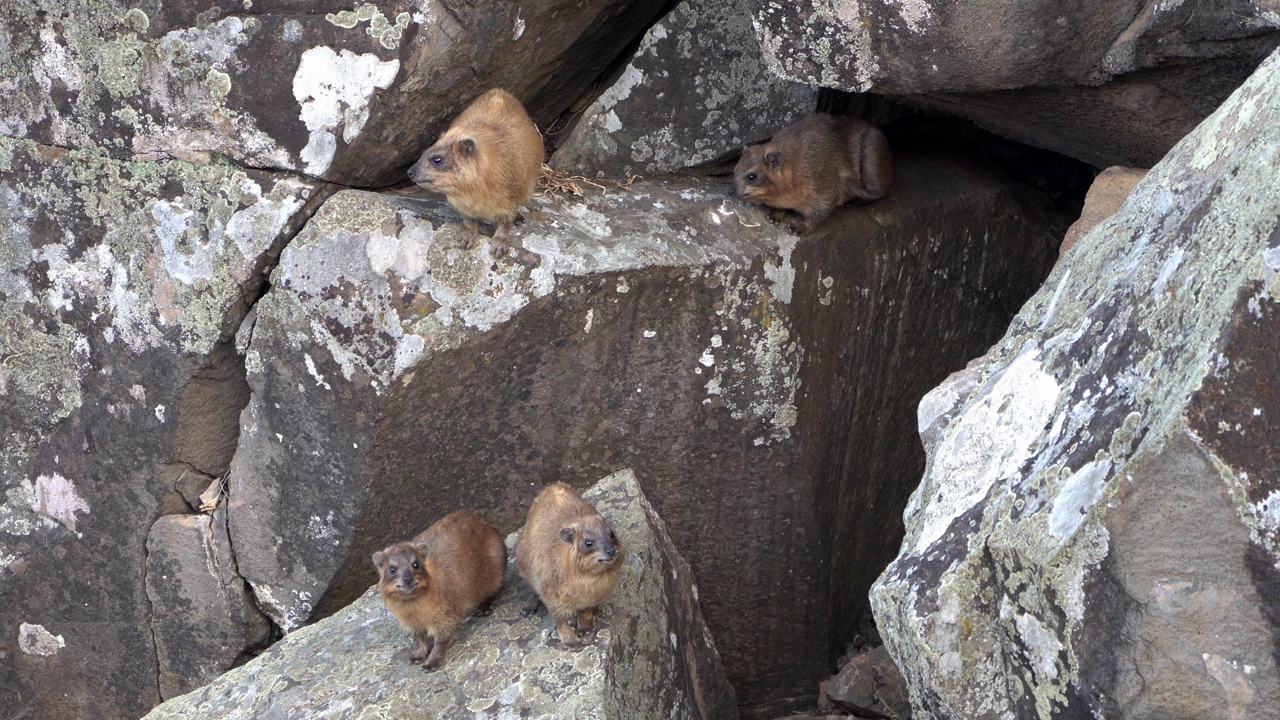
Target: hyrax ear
{"points": [[467, 147], [774, 159], [566, 534], [421, 548], [377, 559]]}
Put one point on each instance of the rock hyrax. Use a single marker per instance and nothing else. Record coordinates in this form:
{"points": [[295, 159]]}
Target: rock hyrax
{"points": [[814, 164], [435, 581], [570, 557], [486, 164]]}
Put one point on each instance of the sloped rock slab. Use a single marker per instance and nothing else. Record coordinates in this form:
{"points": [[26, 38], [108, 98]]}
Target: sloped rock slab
{"points": [[651, 657], [121, 286], [695, 91], [1096, 533]]}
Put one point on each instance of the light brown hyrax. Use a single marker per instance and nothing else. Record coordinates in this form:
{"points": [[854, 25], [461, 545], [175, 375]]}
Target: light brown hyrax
{"points": [[486, 164], [812, 165], [433, 582], [570, 557]]}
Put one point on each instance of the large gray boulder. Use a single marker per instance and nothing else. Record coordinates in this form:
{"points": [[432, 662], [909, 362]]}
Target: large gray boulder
{"points": [[762, 387], [349, 92], [1098, 531], [121, 287], [1109, 82], [695, 91], [651, 656]]}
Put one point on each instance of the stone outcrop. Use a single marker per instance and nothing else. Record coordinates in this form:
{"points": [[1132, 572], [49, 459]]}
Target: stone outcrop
{"points": [[762, 388], [1107, 193], [695, 92], [651, 656], [1097, 532], [869, 685], [1106, 82], [121, 287], [346, 91]]}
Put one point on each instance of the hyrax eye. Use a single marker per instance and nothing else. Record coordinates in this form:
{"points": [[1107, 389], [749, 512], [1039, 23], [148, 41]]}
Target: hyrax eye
{"points": [[589, 543], [415, 565], [752, 177], [437, 159], [391, 569]]}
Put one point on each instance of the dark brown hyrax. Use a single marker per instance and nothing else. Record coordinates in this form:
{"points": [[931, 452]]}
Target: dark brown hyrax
{"points": [[570, 557], [433, 582], [486, 164], [812, 165]]}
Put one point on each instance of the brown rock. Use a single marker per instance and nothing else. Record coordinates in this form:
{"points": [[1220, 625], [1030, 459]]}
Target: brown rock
{"points": [[869, 685], [1105, 196]]}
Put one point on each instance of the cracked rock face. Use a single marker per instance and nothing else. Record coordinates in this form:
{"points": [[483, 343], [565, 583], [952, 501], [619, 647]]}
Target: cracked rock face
{"points": [[1097, 532], [651, 655], [120, 285], [696, 91], [744, 374], [1109, 83], [349, 92]]}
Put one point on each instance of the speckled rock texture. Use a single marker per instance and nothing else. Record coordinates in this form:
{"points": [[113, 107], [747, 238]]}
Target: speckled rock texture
{"points": [[343, 90], [651, 656], [1098, 530], [1109, 82], [762, 387], [121, 287], [695, 91]]}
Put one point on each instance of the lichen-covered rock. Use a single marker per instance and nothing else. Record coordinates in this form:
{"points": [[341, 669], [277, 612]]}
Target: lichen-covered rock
{"points": [[651, 656], [202, 616], [695, 91], [348, 91], [663, 327], [1106, 194], [121, 285], [1106, 82], [1098, 530]]}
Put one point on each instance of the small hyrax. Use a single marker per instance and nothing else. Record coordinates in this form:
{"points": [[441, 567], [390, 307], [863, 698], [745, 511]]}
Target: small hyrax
{"points": [[570, 557], [486, 164], [447, 572], [811, 166]]}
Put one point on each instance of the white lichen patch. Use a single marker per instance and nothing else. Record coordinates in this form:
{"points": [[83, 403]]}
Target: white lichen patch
{"points": [[990, 441], [334, 90], [35, 640], [56, 498], [1077, 496]]}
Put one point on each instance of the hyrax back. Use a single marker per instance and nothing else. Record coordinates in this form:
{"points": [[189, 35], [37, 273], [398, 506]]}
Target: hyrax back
{"points": [[811, 166], [436, 580], [570, 557], [486, 164]]}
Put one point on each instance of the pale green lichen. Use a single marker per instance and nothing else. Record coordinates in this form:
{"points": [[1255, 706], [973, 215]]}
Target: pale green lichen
{"points": [[380, 28]]}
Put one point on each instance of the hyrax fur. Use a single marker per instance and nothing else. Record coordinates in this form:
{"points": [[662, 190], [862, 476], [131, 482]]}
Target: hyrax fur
{"points": [[435, 581], [486, 164], [811, 166], [570, 557]]}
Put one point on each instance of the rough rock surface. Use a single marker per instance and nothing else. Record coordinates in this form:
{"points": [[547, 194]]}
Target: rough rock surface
{"points": [[869, 685], [348, 91], [696, 91], [1107, 193], [763, 388], [202, 616], [121, 285], [651, 657], [1106, 82], [1098, 530]]}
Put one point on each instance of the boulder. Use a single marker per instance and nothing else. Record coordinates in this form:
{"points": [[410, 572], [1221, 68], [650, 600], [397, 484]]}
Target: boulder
{"points": [[347, 92], [1107, 193], [121, 287], [651, 655], [202, 615], [762, 386], [695, 91], [869, 685], [1098, 532], [1107, 82]]}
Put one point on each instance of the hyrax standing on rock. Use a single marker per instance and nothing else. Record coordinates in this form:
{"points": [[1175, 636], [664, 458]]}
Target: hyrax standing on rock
{"points": [[486, 164], [814, 164], [570, 557], [435, 581]]}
